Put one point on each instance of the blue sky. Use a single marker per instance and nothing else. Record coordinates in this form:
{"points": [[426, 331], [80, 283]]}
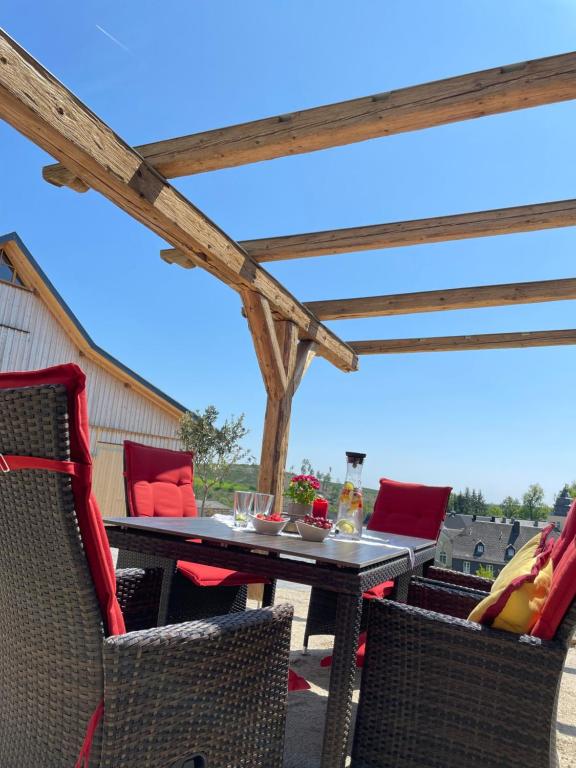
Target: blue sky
{"points": [[495, 420]]}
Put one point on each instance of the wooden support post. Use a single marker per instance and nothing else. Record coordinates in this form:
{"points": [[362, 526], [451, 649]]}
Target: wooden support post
{"points": [[296, 357], [277, 420], [266, 343]]}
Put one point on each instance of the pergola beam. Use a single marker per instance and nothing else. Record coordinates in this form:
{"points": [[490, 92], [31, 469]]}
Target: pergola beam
{"points": [[489, 92], [462, 226], [438, 301], [41, 108], [460, 343]]}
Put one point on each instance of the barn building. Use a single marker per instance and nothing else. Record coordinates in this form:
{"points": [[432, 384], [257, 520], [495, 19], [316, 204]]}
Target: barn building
{"points": [[38, 329]]}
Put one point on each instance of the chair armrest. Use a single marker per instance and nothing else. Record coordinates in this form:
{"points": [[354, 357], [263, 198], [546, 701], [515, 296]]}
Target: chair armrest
{"points": [[443, 598], [138, 593], [389, 616], [460, 579], [216, 687]]}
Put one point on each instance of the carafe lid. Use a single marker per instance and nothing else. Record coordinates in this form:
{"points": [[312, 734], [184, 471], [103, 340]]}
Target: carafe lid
{"points": [[355, 458]]}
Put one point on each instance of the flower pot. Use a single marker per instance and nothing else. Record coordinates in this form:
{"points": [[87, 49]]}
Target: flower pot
{"points": [[295, 511]]}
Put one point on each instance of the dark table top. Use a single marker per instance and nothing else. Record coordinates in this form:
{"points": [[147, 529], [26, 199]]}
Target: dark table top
{"points": [[372, 549]]}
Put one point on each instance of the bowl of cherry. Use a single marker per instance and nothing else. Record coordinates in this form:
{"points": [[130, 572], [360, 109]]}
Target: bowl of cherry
{"points": [[314, 528], [270, 525]]}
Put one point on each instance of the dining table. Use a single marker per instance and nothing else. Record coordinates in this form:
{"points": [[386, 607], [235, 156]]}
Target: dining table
{"points": [[345, 566]]}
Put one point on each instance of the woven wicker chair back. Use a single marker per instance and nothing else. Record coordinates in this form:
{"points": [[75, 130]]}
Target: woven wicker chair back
{"points": [[51, 634]]}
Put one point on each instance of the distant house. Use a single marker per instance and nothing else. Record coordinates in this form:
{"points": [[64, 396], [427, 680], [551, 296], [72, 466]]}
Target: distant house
{"points": [[214, 508], [38, 329], [468, 542]]}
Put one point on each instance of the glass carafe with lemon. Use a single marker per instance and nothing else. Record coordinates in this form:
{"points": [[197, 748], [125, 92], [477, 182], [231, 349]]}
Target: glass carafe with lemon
{"points": [[350, 503]]}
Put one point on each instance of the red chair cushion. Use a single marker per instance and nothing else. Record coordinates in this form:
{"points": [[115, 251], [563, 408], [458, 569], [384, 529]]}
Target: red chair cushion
{"points": [[296, 682], [562, 594], [379, 591], [409, 509], [90, 523], [361, 652], [567, 535], [212, 576], [327, 660], [159, 482]]}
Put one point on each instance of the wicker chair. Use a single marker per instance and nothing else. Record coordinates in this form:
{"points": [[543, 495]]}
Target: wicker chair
{"points": [[159, 481], [408, 509], [443, 692], [202, 694]]}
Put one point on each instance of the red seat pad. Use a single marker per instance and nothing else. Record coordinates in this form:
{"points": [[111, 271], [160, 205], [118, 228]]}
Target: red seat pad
{"points": [[379, 591], [159, 482], [409, 509], [212, 576], [562, 594], [90, 523], [567, 535]]}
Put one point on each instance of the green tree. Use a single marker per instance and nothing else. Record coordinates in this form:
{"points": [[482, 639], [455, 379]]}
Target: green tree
{"points": [[325, 479], [485, 571], [479, 504], [216, 449], [306, 467], [572, 489], [510, 507], [533, 507]]}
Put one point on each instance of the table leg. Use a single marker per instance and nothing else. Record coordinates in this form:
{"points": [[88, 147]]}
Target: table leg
{"points": [[401, 587], [269, 594], [339, 709]]}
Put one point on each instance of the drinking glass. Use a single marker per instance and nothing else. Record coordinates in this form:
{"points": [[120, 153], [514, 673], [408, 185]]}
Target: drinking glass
{"points": [[243, 501], [263, 503]]}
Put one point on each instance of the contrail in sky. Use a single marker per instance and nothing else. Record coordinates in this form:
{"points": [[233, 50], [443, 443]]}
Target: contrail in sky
{"points": [[114, 40]]}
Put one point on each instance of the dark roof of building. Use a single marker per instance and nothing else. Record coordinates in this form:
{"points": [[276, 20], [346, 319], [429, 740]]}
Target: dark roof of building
{"points": [[496, 538]]}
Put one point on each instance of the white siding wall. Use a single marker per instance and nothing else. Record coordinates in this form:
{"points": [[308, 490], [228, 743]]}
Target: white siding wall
{"points": [[116, 412]]}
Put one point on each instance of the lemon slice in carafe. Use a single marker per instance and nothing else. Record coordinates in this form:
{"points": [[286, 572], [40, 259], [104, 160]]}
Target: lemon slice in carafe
{"points": [[345, 526]]}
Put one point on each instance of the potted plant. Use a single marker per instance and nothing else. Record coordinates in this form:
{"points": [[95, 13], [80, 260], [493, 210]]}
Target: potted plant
{"points": [[301, 493]]}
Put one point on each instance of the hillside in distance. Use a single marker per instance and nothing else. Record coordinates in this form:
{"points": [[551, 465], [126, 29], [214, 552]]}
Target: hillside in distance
{"points": [[244, 477]]}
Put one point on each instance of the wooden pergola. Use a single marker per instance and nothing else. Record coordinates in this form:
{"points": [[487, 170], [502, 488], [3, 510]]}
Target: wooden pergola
{"points": [[286, 333]]}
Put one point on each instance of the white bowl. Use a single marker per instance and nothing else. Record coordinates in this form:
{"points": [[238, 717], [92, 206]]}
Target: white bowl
{"points": [[311, 532], [267, 527]]}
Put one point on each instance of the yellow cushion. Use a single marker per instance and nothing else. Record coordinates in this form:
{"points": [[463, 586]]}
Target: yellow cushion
{"points": [[520, 591]]}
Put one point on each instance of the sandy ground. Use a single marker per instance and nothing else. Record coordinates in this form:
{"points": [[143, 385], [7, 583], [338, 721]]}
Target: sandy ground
{"points": [[306, 709]]}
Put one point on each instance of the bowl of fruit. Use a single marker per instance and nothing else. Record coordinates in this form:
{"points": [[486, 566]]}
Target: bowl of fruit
{"points": [[314, 528], [270, 525]]}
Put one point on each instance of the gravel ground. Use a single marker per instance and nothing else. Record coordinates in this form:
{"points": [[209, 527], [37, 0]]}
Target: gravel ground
{"points": [[306, 709]]}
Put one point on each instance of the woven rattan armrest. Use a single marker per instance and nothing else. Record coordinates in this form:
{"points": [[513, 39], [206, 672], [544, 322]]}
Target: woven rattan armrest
{"points": [[215, 687], [443, 598], [138, 592], [456, 577], [468, 695]]}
